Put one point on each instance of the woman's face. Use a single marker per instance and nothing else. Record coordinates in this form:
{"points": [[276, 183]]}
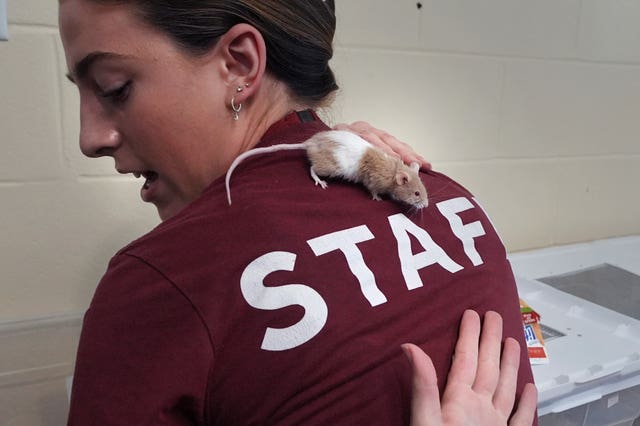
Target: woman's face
{"points": [[156, 110]]}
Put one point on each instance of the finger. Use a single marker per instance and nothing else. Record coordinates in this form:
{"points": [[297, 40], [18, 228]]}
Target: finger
{"points": [[405, 151], [391, 144], [386, 142], [362, 129], [505, 394], [359, 126], [527, 405], [425, 397], [489, 354], [376, 139], [465, 357], [368, 133]]}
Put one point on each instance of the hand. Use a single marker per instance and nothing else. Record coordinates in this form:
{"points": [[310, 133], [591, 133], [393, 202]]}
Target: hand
{"points": [[385, 141], [480, 387]]}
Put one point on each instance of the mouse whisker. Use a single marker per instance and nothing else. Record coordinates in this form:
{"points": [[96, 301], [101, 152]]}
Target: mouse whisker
{"points": [[433, 196]]}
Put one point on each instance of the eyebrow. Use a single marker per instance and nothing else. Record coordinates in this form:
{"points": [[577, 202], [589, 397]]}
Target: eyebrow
{"points": [[81, 69]]}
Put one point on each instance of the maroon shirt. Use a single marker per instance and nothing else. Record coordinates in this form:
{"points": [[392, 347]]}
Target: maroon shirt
{"points": [[290, 305]]}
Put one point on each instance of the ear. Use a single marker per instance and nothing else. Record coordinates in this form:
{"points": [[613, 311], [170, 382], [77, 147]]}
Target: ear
{"points": [[243, 56], [415, 166], [402, 177]]}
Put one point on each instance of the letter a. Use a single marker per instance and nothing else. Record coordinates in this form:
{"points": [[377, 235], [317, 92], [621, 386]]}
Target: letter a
{"points": [[412, 263]]}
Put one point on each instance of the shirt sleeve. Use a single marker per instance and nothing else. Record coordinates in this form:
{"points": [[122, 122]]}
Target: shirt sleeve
{"points": [[144, 354]]}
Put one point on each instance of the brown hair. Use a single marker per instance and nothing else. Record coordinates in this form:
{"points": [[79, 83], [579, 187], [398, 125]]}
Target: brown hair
{"points": [[298, 34]]}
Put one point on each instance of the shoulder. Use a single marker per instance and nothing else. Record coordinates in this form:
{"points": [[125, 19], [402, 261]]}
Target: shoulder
{"points": [[139, 330], [442, 181], [128, 278]]}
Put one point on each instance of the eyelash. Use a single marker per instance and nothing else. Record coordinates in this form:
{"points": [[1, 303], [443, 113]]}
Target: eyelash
{"points": [[118, 95]]}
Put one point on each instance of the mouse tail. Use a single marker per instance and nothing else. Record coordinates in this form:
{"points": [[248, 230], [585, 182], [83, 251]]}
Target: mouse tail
{"points": [[257, 151]]}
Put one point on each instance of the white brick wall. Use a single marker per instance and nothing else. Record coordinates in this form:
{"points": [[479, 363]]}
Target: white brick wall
{"points": [[534, 106], [62, 216]]}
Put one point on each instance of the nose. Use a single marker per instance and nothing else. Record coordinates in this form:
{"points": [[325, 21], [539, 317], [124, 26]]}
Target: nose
{"points": [[98, 134]]}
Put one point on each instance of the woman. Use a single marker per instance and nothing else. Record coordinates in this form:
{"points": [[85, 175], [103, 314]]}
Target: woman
{"points": [[290, 305]]}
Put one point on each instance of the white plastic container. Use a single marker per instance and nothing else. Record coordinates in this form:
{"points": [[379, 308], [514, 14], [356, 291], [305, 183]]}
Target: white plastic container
{"points": [[593, 377]]}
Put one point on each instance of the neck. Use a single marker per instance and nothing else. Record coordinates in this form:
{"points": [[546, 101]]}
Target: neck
{"points": [[272, 103]]}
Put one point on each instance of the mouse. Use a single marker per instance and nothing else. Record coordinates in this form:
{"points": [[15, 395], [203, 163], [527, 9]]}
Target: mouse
{"points": [[345, 155]]}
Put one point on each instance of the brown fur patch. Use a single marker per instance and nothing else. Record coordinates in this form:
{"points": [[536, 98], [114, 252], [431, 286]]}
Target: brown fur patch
{"points": [[324, 163], [377, 170]]}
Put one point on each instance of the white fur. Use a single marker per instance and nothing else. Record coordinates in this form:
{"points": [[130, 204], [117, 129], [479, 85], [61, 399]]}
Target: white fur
{"points": [[349, 152]]}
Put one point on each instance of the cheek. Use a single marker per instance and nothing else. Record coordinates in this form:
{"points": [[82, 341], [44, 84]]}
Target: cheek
{"points": [[151, 129], [186, 136]]}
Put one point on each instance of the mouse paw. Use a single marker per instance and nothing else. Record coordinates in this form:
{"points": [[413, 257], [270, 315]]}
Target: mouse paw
{"points": [[317, 179], [376, 197]]}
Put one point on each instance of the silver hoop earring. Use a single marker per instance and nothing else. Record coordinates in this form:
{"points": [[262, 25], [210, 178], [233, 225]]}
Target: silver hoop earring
{"points": [[235, 109]]}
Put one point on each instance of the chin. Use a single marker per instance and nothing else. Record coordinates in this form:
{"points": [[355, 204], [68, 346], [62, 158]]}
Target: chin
{"points": [[169, 208], [167, 212]]}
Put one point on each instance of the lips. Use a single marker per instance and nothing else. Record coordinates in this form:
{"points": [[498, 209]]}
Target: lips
{"points": [[150, 177], [148, 190]]}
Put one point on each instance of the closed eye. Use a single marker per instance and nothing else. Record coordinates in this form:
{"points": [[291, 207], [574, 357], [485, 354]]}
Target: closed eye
{"points": [[118, 95]]}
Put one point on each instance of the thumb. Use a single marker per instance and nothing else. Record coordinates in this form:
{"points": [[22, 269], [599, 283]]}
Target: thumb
{"points": [[425, 397]]}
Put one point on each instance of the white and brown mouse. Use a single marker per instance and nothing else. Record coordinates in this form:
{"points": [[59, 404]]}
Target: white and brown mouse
{"points": [[345, 155]]}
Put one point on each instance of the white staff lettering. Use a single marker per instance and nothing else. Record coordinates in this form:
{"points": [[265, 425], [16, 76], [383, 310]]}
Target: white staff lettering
{"points": [[346, 241], [316, 312], [465, 233], [272, 298], [412, 263]]}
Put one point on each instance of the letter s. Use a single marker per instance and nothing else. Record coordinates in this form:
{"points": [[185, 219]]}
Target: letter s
{"points": [[271, 298]]}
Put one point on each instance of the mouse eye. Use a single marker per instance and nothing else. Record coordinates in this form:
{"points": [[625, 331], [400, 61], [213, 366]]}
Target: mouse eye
{"points": [[417, 193]]}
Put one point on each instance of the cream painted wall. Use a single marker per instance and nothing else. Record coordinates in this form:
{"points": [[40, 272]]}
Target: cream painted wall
{"points": [[534, 106]]}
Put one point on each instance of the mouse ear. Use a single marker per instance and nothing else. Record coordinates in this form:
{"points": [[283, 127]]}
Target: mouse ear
{"points": [[402, 177]]}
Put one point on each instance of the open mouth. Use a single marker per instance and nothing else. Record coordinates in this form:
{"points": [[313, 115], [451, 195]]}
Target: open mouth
{"points": [[147, 191], [150, 177]]}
